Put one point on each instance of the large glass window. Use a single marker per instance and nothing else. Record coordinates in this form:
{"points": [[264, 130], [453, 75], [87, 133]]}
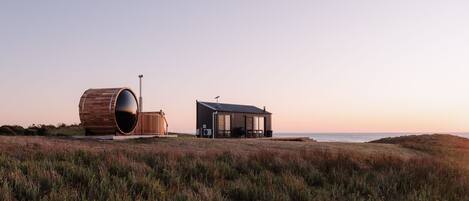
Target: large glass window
{"points": [[221, 122], [126, 111], [224, 124], [227, 122], [258, 124], [261, 124]]}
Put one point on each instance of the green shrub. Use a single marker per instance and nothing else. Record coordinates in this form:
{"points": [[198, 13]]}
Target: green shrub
{"points": [[12, 130], [43, 130]]}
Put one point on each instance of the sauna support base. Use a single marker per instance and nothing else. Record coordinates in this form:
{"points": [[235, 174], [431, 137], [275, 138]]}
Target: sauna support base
{"points": [[122, 137]]}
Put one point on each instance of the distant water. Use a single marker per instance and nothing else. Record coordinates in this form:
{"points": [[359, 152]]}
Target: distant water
{"points": [[352, 137]]}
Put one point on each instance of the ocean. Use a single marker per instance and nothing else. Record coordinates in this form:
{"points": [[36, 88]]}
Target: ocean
{"points": [[353, 137]]}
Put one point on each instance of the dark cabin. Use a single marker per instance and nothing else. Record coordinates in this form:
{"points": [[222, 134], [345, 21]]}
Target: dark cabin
{"points": [[221, 120]]}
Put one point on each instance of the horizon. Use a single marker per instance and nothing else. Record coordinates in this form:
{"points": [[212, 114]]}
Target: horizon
{"points": [[319, 67]]}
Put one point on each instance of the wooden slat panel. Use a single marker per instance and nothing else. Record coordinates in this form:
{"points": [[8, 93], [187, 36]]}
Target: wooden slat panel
{"points": [[97, 110], [151, 123]]}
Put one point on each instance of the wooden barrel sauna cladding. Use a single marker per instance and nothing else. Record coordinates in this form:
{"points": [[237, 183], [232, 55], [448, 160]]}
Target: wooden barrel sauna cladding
{"points": [[109, 111]]}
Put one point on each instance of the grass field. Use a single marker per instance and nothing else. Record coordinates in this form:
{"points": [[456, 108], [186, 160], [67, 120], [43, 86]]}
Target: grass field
{"points": [[60, 168]]}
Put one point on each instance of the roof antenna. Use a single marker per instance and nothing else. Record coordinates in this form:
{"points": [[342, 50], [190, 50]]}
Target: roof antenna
{"points": [[218, 97]]}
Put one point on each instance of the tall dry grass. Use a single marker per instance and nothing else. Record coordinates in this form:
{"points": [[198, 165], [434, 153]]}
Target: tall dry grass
{"points": [[37, 173]]}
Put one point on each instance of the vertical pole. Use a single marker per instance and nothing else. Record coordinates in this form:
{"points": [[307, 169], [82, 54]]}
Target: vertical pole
{"points": [[213, 125], [215, 114], [140, 109], [140, 98]]}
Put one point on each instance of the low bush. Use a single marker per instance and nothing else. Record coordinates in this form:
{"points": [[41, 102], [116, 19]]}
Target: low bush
{"points": [[42, 130], [12, 130]]}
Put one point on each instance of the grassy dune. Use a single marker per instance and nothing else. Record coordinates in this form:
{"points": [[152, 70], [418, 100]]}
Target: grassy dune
{"points": [[449, 148], [59, 168]]}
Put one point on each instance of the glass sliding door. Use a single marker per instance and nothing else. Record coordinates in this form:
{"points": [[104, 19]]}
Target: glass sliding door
{"points": [[221, 122], [261, 125], [224, 125], [227, 122], [256, 124]]}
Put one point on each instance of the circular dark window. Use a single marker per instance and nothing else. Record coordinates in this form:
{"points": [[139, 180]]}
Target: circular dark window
{"points": [[126, 111]]}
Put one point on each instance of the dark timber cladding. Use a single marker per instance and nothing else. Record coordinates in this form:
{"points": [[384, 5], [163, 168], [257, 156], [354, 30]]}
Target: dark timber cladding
{"points": [[230, 120]]}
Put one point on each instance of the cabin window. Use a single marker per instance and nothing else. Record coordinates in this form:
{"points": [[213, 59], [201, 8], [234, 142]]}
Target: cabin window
{"points": [[258, 124], [224, 124], [227, 122], [261, 124]]}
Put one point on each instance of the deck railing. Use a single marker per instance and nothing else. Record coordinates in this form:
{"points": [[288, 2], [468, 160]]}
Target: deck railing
{"points": [[223, 133], [255, 133]]}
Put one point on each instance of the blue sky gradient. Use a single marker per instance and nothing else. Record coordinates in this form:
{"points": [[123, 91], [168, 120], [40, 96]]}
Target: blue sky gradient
{"points": [[362, 66]]}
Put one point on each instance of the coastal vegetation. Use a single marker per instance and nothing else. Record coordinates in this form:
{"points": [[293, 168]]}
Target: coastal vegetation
{"points": [[60, 168], [43, 130]]}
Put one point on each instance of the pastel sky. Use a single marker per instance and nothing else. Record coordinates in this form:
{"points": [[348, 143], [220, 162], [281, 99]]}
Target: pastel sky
{"points": [[318, 66]]}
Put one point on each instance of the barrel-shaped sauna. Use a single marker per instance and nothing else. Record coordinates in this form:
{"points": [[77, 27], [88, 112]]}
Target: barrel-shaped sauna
{"points": [[151, 123], [111, 111]]}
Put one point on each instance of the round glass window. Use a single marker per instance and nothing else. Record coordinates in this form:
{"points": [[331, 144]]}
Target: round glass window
{"points": [[126, 111]]}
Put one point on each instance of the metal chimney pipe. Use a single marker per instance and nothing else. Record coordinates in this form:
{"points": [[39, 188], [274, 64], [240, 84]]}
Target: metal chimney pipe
{"points": [[140, 108], [140, 99]]}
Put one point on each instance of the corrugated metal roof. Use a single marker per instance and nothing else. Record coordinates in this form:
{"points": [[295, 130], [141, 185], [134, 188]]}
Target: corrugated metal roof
{"points": [[224, 107]]}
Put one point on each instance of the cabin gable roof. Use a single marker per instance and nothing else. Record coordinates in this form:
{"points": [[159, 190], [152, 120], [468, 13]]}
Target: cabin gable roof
{"points": [[224, 107]]}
